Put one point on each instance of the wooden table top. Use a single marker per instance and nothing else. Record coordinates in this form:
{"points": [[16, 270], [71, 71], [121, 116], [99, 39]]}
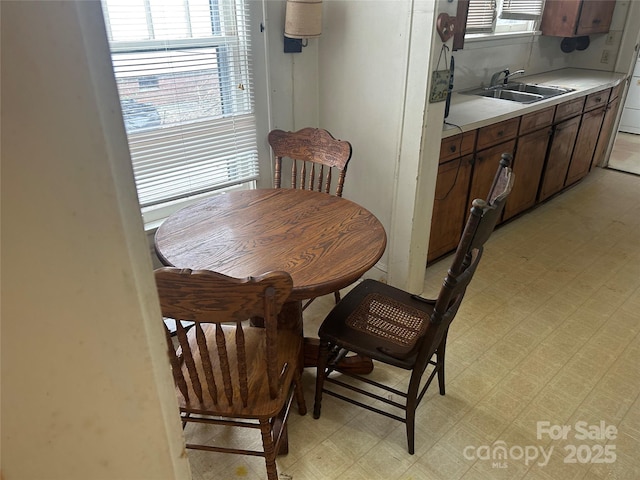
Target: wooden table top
{"points": [[325, 242]]}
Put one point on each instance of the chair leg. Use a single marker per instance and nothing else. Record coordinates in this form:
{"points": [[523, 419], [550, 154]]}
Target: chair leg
{"points": [[323, 355], [304, 307], [280, 434], [269, 449], [336, 294], [299, 393], [412, 404], [440, 362], [411, 428]]}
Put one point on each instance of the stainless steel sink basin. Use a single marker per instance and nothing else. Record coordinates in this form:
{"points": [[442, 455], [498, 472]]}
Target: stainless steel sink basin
{"points": [[545, 90], [514, 96], [520, 92]]}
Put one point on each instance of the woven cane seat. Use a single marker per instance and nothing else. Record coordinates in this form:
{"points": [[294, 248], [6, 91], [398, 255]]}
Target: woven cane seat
{"points": [[390, 319]]}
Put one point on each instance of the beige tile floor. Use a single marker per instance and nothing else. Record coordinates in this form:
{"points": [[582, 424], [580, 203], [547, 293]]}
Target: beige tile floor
{"points": [[549, 332], [626, 153]]}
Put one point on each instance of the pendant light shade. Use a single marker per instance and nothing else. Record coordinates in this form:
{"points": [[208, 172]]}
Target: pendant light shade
{"points": [[303, 19]]}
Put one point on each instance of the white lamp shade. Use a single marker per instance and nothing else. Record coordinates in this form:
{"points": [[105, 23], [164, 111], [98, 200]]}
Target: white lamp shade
{"points": [[303, 19]]}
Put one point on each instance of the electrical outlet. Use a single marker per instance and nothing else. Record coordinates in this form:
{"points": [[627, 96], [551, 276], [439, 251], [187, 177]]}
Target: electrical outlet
{"points": [[610, 39], [605, 56]]}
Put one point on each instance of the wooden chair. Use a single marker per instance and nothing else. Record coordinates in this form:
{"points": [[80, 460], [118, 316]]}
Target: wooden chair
{"points": [[314, 153], [227, 372], [403, 330]]}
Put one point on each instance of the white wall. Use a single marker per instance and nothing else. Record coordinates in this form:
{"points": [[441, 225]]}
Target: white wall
{"points": [[86, 387], [375, 61], [362, 86]]}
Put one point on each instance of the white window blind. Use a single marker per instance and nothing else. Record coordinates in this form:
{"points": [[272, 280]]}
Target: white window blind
{"points": [[184, 77], [521, 9], [484, 15], [481, 16]]}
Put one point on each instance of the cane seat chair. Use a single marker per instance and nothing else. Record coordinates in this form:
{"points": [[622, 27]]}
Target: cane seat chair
{"points": [[227, 372], [403, 330], [315, 157]]}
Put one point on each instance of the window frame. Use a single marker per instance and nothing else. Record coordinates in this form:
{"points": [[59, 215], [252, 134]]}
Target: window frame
{"points": [[155, 210], [500, 27]]}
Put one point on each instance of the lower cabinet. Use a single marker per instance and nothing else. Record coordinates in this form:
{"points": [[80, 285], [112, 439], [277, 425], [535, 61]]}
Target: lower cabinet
{"points": [[493, 141], [552, 147], [485, 166], [527, 170], [606, 132], [450, 206], [585, 145], [562, 142]]}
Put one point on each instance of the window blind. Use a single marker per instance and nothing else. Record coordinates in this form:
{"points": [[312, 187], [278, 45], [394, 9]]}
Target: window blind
{"points": [[184, 77], [481, 16], [521, 9]]}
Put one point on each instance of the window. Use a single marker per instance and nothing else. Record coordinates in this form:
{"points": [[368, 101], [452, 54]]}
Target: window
{"points": [[183, 73], [502, 16]]}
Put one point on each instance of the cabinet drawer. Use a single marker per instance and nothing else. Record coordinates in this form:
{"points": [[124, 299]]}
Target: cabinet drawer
{"points": [[498, 132], [536, 120], [597, 99], [453, 147], [569, 109]]}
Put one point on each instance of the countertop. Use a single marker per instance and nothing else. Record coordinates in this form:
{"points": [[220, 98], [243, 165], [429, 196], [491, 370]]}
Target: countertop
{"points": [[473, 111]]}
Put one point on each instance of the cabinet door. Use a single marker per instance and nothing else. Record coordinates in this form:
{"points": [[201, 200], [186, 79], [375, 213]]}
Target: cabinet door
{"points": [[585, 145], [562, 142], [574, 18], [605, 132], [450, 206], [527, 170], [595, 16], [485, 166], [560, 17]]}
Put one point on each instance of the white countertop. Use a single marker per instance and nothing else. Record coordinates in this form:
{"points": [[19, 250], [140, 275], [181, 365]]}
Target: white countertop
{"points": [[473, 111]]}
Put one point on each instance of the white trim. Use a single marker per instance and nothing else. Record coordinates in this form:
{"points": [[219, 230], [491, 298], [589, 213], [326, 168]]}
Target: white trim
{"points": [[483, 40]]}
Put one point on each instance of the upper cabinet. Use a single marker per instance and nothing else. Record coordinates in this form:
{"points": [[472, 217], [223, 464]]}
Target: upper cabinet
{"points": [[575, 18]]}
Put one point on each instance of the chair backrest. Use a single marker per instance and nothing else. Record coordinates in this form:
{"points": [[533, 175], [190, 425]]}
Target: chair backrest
{"points": [[314, 153], [483, 217], [210, 299]]}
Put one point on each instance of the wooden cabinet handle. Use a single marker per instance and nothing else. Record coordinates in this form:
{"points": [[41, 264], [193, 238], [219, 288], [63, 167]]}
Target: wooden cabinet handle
{"points": [[501, 133], [452, 148]]}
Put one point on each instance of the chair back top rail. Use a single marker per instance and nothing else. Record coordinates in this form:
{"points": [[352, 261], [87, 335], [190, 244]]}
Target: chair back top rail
{"points": [[314, 146]]}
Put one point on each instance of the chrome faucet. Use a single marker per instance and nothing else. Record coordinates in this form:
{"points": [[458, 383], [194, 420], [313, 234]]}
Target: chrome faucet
{"points": [[507, 75]]}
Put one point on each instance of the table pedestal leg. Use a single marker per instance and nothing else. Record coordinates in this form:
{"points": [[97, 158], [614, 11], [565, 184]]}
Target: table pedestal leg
{"points": [[291, 318]]}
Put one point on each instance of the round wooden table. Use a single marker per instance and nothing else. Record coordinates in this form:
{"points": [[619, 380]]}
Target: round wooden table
{"points": [[324, 242]]}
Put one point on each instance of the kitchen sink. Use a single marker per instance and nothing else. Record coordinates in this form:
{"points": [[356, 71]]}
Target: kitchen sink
{"points": [[515, 96], [520, 92], [545, 90]]}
